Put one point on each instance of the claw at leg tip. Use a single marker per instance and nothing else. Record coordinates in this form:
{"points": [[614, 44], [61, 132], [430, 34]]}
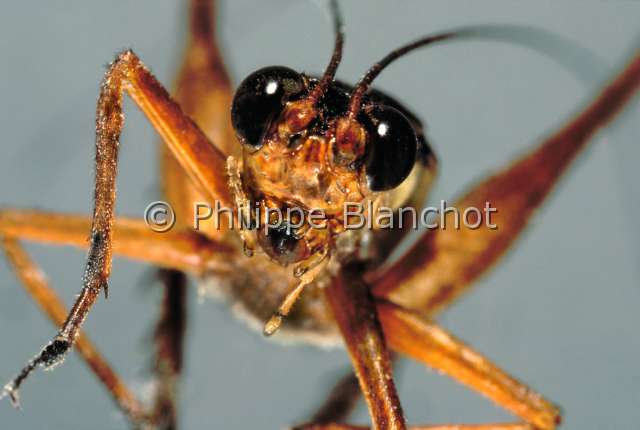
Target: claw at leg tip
{"points": [[13, 394]]}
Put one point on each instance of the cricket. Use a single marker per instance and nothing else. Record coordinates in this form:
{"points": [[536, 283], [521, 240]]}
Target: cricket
{"points": [[300, 199]]}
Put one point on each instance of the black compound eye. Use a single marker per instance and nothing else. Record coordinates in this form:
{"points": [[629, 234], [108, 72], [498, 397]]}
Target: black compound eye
{"points": [[392, 147], [259, 99]]}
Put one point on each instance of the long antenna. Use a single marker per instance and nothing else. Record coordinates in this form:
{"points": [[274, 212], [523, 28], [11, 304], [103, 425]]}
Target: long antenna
{"points": [[365, 82], [330, 72], [573, 57]]}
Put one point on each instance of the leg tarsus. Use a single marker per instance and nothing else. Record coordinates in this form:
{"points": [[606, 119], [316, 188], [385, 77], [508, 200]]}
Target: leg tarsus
{"points": [[37, 287], [51, 355]]}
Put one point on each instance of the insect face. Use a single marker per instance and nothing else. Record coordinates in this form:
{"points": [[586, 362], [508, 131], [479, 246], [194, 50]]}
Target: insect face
{"points": [[304, 153]]}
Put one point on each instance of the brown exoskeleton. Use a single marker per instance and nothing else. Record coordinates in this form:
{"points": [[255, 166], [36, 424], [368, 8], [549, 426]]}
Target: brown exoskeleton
{"points": [[425, 280]]}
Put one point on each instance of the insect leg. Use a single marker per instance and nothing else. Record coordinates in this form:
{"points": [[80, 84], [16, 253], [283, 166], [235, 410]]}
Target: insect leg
{"points": [[181, 250], [169, 340], [37, 287], [341, 401], [133, 239], [514, 426], [355, 312], [414, 336], [203, 91], [203, 88], [444, 262]]}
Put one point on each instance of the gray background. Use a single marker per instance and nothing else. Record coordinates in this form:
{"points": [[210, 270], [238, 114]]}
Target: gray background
{"points": [[561, 313]]}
